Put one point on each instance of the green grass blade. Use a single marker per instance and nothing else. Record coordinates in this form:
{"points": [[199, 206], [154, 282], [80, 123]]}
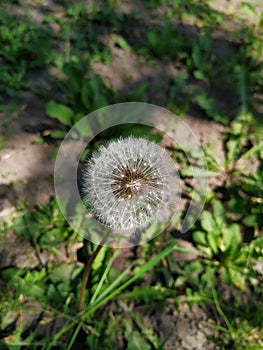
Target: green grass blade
{"points": [[110, 292], [103, 277], [74, 336], [56, 337], [111, 287]]}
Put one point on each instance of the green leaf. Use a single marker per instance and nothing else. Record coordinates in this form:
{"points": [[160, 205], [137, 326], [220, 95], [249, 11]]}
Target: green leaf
{"points": [[207, 221], [248, 9], [180, 281], [33, 277], [135, 339], [209, 105], [63, 288], [64, 272], [20, 227], [256, 248], [58, 134], [225, 275], [231, 238], [98, 262], [77, 10], [237, 278], [60, 112], [213, 239], [36, 292], [208, 278], [233, 149], [146, 294], [257, 148], [74, 76], [200, 75], [85, 97], [200, 237], [84, 129], [219, 213], [251, 220], [51, 238], [123, 44]]}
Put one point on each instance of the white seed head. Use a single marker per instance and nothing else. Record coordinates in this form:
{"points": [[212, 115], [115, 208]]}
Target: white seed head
{"points": [[129, 184]]}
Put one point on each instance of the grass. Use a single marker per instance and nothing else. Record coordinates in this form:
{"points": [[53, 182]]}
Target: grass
{"points": [[220, 83]]}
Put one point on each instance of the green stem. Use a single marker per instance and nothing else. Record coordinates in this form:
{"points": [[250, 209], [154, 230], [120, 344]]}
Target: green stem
{"points": [[221, 312], [87, 271]]}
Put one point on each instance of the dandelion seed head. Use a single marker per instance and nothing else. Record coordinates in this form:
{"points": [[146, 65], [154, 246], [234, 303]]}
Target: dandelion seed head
{"points": [[129, 183]]}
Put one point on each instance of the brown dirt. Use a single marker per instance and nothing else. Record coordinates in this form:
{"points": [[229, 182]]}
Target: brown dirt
{"points": [[185, 329]]}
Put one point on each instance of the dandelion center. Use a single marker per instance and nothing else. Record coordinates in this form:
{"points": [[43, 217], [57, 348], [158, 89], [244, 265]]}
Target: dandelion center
{"points": [[129, 183]]}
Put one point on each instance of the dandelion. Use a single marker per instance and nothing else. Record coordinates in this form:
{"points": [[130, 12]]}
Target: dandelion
{"points": [[129, 184]]}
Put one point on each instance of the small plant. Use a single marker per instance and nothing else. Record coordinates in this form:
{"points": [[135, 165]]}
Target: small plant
{"points": [[24, 46], [166, 43], [221, 243], [45, 228], [84, 92]]}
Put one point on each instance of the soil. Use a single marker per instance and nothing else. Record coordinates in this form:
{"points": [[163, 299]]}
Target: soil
{"points": [[185, 329]]}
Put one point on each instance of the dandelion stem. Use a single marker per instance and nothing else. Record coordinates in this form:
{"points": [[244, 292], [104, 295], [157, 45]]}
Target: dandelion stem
{"points": [[87, 271]]}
